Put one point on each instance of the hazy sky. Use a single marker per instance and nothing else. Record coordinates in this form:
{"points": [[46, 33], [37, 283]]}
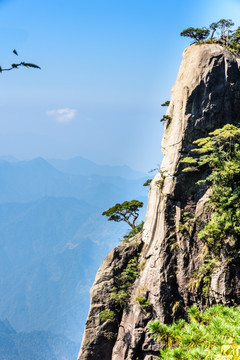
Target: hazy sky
{"points": [[107, 65]]}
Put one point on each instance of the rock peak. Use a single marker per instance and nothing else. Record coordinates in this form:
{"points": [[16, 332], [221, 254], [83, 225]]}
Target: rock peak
{"points": [[205, 96]]}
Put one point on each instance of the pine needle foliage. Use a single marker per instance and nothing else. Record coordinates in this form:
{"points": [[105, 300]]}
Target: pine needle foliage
{"points": [[128, 211], [220, 32], [107, 315], [220, 151], [147, 182], [198, 34], [138, 228], [203, 336], [121, 291], [120, 294], [144, 303], [166, 103]]}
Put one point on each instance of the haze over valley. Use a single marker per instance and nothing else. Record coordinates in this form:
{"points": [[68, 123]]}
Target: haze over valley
{"points": [[53, 238]]}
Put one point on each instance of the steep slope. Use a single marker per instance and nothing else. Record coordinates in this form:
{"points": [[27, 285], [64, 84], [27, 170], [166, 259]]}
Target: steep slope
{"points": [[206, 96]]}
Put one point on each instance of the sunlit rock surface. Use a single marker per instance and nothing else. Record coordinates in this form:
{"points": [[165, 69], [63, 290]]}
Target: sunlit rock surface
{"points": [[206, 96]]}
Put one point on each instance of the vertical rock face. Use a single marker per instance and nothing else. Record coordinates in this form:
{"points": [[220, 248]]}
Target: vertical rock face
{"points": [[206, 96]]}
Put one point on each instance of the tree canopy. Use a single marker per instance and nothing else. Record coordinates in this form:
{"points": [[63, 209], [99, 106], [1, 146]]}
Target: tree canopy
{"points": [[128, 211], [226, 36], [166, 103], [221, 152], [19, 64], [197, 34], [235, 41], [224, 26]]}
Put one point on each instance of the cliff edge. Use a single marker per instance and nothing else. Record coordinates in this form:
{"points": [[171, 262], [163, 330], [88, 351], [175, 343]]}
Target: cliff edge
{"points": [[205, 97]]}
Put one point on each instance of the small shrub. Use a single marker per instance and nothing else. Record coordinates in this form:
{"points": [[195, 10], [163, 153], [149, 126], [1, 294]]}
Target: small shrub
{"points": [[142, 264], [138, 228], [120, 296], [146, 305], [160, 182], [107, 316], [165, 118], [109, 335], [175, 307], [120, 292], [166, 103], [147, 182]]}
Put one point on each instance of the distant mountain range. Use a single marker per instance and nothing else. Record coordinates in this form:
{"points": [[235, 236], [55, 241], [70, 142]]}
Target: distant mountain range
{"points": [[25, 181], [81, 166], [53, 239], [35, 345]]}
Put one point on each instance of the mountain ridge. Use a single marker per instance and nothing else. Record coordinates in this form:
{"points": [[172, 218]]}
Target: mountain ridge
{"points": [[81, 166], [35, 344], [204, 97]]}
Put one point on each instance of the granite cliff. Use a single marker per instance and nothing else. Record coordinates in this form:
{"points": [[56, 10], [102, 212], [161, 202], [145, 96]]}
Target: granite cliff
{"points": [[205, 97]]}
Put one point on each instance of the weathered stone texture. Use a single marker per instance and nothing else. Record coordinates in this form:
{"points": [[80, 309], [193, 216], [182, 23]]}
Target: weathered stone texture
{"points": [[206, 96], [95, 345]]}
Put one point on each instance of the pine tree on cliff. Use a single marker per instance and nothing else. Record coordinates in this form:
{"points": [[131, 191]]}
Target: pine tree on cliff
{"points": [[197, 34], [128, 211]]}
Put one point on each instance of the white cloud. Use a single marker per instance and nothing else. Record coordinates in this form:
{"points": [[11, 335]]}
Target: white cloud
{"points": [[62, 115]]}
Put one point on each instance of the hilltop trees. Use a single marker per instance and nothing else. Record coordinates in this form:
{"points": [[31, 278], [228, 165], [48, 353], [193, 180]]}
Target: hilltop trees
{"points": [[213, 27], [223, 29], [196, 33], [235, 41], [224, 26]]}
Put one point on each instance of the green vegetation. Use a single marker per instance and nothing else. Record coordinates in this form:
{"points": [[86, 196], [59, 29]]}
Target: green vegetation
{"points": [[142, 264], [220, 153], [187, 218], [165, 118], [109, 335], [203, 276], [160, 182], [166, 103], [206, 335], [196, 33], [147, 182], [121, 291], [120, 294], [138, 228], [128, 211], [222, 28], [107, 315], [144, 303], [17, 65], [142, 298], [235, 41]]}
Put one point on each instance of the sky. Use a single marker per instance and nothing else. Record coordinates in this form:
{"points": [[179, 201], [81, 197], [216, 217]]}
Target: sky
{"points": [[106, 68]]}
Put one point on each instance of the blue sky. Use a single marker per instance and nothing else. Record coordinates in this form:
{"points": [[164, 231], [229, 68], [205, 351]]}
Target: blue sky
{"points": [[107, 65]]}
